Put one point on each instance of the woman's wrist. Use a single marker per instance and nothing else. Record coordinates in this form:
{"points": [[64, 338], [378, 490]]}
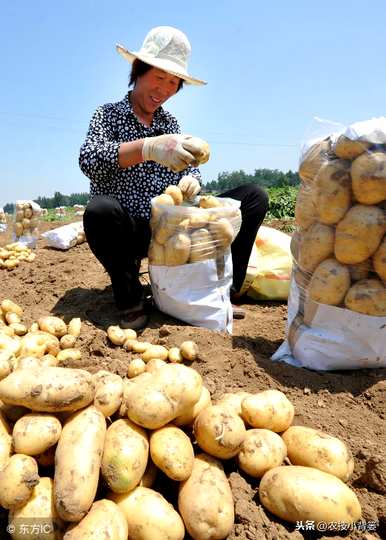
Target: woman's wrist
{"points": [[130, 153]]}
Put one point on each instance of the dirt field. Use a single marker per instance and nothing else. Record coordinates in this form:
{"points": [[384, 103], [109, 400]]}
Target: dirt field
{"points": [[350, 405]]}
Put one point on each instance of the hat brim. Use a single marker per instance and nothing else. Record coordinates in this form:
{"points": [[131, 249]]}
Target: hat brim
{"points": [[159, 63]]}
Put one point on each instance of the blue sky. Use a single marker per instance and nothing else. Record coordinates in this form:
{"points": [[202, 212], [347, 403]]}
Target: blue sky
{"points": [[271, 67]]}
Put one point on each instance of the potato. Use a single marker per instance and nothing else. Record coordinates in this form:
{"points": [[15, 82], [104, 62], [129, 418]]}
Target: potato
{"points": [[38, 344], [345, 148], [313, 448], [149, 516], [209, 201], [48, 360], [130, 333], [156, 253], [205, 500], [298, 493], [164, 199], [34, 433], [65, 355], [219, 431], [67, 341], [39, 513], [198, 148], [359, 233], [189, 350], [313, 160], [53, 325], [269, 409], [198, 218], [305, 210], [17, 479], [5, 441], [367, 296], [77, 463], [155, 351], [329, 283], [368, 174], [108, 393], [175, 193], [177, 249], [316, 245], [19, 328], [104, 521], [164, 230], [172, 452], [5, 366], [332, 191], [379, 260], [222, 232], [125, 455], [232, 400], [164, 395], [154, 364], [135, 367], [74, 327], [10, 345], [116, 335], [140, 346], [174, 355], [261, 450], [12, 317], [27, 362], [9, 306], [51, 389], [190, 414], [203, 246]]}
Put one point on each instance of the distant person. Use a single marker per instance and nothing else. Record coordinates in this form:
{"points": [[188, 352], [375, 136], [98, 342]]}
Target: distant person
{"points": [[132, 152]]}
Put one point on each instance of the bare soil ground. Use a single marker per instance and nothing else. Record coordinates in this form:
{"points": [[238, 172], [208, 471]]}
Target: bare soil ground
{"points": [[350, 405]]}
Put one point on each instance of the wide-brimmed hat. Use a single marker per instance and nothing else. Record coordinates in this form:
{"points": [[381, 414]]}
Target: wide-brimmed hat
{"points": [[165, 48]]}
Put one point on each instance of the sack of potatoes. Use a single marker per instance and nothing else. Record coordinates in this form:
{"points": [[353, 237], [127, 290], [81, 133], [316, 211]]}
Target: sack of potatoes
{"points": [[184, 234], [26, 221], [341, 219]]}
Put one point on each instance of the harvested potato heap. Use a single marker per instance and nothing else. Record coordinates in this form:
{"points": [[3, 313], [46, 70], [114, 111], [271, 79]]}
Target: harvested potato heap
{"points": [[26, 219], [340, 246], [185, 234], [13, 254], [79, 453]]}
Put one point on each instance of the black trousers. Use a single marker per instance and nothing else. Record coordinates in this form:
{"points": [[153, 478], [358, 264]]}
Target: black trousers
{"points": [[120, 241]]}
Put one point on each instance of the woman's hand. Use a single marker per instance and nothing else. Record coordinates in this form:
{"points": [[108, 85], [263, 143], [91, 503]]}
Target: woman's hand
{"points": [[170, 151], [190, 186]]}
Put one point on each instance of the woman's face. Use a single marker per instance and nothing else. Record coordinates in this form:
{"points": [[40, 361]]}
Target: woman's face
{"points": [[154, 88]]}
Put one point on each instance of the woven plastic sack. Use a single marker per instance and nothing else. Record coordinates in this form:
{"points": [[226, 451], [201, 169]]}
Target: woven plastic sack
{"points": [[269, 267], [190, 264], [337, 303], [65, 237]]}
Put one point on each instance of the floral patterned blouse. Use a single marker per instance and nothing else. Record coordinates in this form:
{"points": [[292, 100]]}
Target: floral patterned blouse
{"points": [[111, 125]]}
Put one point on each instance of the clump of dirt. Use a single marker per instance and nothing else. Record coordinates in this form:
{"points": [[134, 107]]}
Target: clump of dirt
{"points": [[350, 404]]}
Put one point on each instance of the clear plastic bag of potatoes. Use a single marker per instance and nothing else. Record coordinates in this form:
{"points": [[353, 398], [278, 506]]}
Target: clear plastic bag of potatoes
{"points": [[186, 234], [190, 261], [26, 222], [3, 221], [338, 293]]}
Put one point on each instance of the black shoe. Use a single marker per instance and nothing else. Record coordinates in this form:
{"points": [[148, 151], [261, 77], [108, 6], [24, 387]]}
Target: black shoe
{"points": [[135, 317]]}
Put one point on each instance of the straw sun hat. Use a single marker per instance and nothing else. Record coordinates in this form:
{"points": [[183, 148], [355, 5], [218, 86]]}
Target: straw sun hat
{"points": [[165, 48]]}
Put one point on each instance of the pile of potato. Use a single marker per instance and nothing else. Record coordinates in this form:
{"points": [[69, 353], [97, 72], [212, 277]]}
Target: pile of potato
{"points": [[340, 247], [13, 254], [187, 234], [26, 219], [80, 454]]}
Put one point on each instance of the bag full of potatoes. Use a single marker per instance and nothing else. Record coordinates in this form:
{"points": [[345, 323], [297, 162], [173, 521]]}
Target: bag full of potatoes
{"points": [[26, 222], [337, 302], [3, 221], [66, 236], [190, 263]]}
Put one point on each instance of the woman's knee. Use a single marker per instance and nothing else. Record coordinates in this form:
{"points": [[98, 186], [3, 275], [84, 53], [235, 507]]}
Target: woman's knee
{"points": [[101, 207], [257, 197]]}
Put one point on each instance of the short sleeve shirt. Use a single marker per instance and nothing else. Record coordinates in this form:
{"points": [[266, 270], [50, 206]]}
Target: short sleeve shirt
{"points": [[111, 125]]}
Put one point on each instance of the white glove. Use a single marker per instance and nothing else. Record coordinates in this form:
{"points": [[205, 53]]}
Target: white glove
{"points": [[168, 150], [190, 186]]}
